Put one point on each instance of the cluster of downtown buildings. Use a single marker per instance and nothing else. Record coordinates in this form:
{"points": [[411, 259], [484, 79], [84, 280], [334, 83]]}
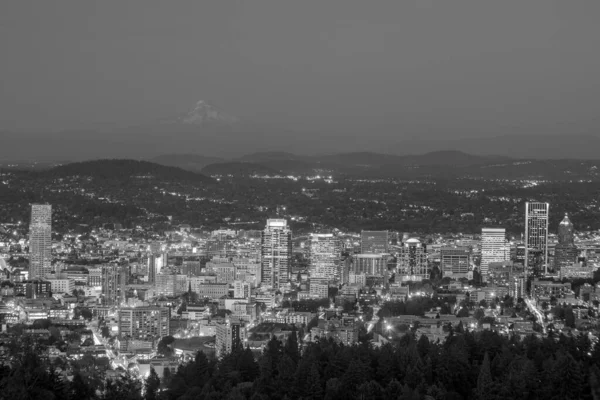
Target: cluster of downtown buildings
{"points": [[249, 272]]}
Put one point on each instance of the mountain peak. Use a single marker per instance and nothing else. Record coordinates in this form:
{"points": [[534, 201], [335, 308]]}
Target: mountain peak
{"points": [[203, 112]]}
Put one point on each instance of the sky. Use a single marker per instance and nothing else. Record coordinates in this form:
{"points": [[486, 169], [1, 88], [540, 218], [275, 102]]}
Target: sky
{"points": [[447, 68]]}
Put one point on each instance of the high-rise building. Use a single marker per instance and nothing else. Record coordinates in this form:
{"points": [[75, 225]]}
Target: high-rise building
{"points": [[455, 261], [536, 237], [228, 336], [324, 256], [114, 281], [144, 323], [494, 249], [171, 284], [276, 253], [152, 268], [370, 264], [565, 252], [412, 261], [374, 242], [40, 241]]}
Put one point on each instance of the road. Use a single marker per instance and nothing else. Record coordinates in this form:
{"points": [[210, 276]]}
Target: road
{"points": [[537, 313]]}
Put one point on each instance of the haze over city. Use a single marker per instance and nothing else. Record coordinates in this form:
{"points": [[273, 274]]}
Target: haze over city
{"points": [[311, 76]]}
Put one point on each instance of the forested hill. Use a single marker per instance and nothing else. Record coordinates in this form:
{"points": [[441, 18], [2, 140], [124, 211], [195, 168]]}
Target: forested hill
{"points": [[238, 169], [123, 169]]}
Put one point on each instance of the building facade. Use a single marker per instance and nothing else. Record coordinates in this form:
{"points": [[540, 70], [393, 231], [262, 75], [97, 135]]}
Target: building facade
{"points": [[565, 252], [276, 253], [412, 261], [228, 336], [114, 281], [40, 241], [144, 322], [374, 242], [455, 261], [325, 256], [536, 237], [370, 264], [494, 249]]}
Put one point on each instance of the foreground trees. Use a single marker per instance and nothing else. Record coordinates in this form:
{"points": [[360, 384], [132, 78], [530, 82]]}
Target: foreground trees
{"points": [[468, 365]]}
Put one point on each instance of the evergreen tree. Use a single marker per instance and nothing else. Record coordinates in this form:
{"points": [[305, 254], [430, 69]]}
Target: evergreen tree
{"points": [[333, 389], [315, 390], [123, 388], [291, 346], [370, 391], [485, 382], [79, 389], [151, 385]]}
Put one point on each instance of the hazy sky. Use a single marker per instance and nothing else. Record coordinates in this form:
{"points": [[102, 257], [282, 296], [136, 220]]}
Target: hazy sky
{"points": [[445, 67]]}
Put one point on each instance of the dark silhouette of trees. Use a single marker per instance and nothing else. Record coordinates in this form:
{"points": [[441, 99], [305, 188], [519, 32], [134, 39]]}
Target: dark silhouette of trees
{"points": [[468, 365]]}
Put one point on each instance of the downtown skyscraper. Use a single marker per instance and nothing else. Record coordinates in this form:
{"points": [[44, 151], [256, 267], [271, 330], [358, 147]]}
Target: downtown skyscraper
{"points": [[40, 241], [493, 249], [325, 256], [565, 252], [276, 253], [536, 237], [412, 261]]}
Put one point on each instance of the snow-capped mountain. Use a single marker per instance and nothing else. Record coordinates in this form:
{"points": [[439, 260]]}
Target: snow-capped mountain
{"points": [[204, 113]]}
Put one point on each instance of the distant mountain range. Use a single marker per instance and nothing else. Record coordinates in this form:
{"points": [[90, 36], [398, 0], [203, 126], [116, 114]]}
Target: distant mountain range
{"points": [[434, 165], [123, 170], [206, 129], [441, 164]]}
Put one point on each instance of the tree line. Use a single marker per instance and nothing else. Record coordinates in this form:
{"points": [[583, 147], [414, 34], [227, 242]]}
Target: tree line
{"points": [[468, 365]]}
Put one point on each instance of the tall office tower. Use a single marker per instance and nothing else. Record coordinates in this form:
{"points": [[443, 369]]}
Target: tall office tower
{"points": [[276, 253], [144, 323], [152, 268], [40, 241], [412, 261], [494, 248], [114, 281], [228, 336], [374, 242], [324, 255], [565, 252], [370, 264], [455, 261], [536, 237]]}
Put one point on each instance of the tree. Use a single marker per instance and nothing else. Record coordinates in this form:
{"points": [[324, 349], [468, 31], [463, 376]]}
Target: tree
{"points": [[569, 317], [315, 390], [479, 314], [124, 387], [79, 389], [463, 312], [151, 385], [163, 346], [484, 379]]}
